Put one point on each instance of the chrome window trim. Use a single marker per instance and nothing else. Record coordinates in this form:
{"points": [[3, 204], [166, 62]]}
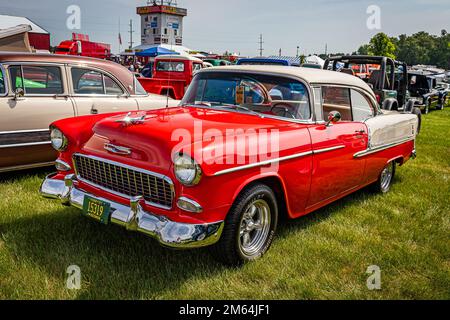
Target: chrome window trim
{"points": [[5, 81], [275, 74], [64, 82], [115, 163], [101, 71], [370, 151]]}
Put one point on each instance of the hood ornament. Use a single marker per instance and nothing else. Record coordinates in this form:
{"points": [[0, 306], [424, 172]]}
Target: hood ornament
{"points": [[128, 120], [116, 149]]}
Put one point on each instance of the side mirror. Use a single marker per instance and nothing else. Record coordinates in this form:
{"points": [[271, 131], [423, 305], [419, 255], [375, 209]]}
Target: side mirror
{"points": [[19, 93], [333, 117]]}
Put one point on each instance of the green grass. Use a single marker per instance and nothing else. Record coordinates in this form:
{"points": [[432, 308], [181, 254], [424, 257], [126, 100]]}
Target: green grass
{"points": [[322, 256]]}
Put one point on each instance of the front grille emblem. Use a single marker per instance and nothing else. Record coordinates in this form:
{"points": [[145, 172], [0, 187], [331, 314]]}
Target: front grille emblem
{"points": [[116, 149]]}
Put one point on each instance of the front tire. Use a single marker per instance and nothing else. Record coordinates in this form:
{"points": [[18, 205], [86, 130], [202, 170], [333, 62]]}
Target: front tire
{"points": [[249, 227], [384, 183]]}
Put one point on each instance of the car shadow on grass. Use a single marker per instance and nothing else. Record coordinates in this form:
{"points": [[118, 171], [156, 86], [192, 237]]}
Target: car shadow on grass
{"points": [[114, 263], [23, 174]]}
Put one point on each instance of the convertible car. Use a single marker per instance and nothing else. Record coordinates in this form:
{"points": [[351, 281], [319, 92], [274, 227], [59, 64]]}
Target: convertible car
{"points": [[247, 145]]}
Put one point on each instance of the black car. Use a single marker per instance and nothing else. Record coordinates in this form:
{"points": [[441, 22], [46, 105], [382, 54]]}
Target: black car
{"points": [[422, 88]]}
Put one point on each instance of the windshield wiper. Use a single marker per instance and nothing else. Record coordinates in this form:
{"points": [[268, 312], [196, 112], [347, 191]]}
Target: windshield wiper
{"points": [[227, 105]]}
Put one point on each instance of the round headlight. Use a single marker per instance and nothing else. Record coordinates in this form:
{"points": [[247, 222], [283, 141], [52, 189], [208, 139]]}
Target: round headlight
{"points": [[59, 140], [187, 171]]}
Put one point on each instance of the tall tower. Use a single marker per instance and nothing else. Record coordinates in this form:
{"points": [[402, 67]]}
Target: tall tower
{"points": [[161, 23]]}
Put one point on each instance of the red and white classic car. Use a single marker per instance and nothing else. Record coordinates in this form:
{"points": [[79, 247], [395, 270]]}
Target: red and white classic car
{"points": [[247, 145]]}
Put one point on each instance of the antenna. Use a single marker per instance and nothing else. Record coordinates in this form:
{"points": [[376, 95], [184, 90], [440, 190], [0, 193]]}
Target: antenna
{"points": [[261, 43]]}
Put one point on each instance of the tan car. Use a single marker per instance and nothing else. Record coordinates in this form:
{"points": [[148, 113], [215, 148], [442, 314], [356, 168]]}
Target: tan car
{"points": [[37, 89]]}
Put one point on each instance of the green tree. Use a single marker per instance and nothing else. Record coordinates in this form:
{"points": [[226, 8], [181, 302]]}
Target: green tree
{"points": [[363, 50], [382, 45]]}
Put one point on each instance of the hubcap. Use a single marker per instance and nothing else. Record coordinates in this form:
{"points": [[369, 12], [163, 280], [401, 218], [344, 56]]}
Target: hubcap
{"points": [[386, 176], [254, 228]]}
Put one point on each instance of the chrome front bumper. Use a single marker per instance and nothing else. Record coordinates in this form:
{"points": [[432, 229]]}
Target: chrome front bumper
{"points": [[134, 218]]}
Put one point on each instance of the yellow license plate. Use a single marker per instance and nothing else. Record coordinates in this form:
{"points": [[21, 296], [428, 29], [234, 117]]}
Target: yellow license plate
{"points": [[96, 209]]}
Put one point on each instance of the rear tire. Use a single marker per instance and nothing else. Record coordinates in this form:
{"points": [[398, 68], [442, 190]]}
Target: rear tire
{"points": [[249, 227], [384, 183]]}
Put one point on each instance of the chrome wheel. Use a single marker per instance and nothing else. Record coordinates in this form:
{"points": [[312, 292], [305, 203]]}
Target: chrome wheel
{"points": [[386, 176], [254, 228]]}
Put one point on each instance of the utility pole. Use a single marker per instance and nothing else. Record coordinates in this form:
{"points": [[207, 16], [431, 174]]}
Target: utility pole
{"points": [[326, 49], [298, 51], [131, 34], [261, 43]]}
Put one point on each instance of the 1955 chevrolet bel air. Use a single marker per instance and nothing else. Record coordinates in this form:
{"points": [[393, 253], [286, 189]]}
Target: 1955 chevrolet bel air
{"points": [[247, 145]]}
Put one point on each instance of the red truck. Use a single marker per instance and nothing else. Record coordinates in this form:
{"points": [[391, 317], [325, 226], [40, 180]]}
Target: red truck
{"points": [[80, 45], [172, 74]]}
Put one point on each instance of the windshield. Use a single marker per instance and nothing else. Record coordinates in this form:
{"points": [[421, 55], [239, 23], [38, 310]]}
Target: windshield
{"points": [[252, 93]]}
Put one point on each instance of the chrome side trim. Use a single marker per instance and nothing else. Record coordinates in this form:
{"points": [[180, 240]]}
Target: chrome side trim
{"points": [[167, 179], [25, 144], [27, 166], [381, 148], [319, 151], [264, 163], [134, 218], [24, 131]]}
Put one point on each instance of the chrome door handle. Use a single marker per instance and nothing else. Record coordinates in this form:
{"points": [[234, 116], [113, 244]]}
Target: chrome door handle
{"points": [[362, 131]]}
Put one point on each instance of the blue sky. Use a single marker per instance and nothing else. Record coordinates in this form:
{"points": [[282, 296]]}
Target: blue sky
{"points": [[235, 25]]}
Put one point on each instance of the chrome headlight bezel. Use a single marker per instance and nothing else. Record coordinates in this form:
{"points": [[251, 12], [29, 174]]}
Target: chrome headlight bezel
{"points": [[58, 139], [186, 170]]}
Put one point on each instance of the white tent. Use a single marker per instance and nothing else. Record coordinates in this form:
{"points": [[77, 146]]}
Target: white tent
{"points": [[315, 60]]}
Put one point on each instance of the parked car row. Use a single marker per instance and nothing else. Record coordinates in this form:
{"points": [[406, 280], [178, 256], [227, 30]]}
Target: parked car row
{"points": [[37, 89]]}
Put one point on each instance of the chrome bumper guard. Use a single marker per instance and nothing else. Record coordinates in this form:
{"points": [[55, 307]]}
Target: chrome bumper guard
{"points": [[134, 218]]}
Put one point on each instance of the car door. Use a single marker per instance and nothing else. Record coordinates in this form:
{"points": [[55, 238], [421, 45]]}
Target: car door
{"points": [[25, 119], [335, 170], [95, 91]]}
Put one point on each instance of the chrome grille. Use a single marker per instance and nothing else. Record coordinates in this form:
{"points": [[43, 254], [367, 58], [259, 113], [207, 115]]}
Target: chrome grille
{"points": [[125, 181]]}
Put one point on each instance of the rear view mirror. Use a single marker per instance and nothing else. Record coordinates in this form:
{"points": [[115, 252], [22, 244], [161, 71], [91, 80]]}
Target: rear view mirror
{"points": [[19, 93], [333, 117]]}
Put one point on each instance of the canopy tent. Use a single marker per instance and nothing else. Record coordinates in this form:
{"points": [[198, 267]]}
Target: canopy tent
{"points": [[316, 60], [154, 52]]}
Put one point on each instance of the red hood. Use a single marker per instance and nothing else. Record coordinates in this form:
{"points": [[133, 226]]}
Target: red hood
{"points": [[153, 141]]}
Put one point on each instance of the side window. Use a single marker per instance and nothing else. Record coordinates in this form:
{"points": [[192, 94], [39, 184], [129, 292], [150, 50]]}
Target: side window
{"points": [[336, 99], [87, 81], [361, 107], [2, 83], [37, 79], [111, 87]]}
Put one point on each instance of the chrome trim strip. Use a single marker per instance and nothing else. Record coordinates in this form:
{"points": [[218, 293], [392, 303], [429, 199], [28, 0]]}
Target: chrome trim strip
{"points": [[134, 218], [5, 81], [24, 131], [114, 163], [27, 166], [381, 148], [24, 144], [318, 151], [263, 163], [198, 207]]}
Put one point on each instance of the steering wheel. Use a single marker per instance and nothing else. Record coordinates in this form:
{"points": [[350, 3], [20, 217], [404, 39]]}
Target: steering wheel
{"points": [[285, 109]]}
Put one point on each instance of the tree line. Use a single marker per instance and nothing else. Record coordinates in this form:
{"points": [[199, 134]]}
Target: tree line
{"points": [[419, 48]]}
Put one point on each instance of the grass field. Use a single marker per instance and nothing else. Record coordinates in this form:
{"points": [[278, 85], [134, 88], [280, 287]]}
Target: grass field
{"points": [[322, 256]]}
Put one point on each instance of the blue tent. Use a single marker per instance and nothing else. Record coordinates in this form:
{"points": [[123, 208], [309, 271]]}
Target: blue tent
{"points": [[154, 52]]}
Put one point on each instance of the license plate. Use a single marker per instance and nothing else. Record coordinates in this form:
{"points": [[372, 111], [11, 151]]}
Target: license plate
{"points": [[96, 209]]}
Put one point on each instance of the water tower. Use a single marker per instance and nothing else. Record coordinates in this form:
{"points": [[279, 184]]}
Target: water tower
{"points": [[161, 23]]}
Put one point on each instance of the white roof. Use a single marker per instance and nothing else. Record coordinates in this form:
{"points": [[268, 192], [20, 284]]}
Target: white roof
{"points": [[7, 22], [179, 57], [308, 75]]}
